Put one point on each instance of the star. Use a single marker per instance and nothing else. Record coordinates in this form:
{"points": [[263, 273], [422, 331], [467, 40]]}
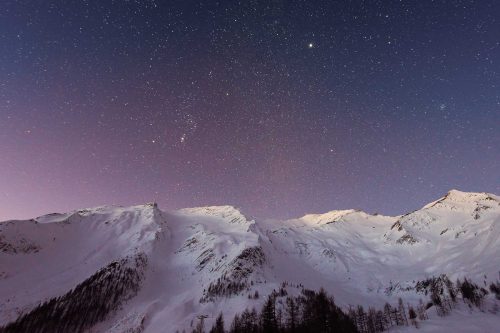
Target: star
{"points": [[253, 97]]}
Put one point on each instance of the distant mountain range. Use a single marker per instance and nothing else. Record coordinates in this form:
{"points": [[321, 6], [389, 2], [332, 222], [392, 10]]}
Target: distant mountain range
{"points": [[141, 269]]}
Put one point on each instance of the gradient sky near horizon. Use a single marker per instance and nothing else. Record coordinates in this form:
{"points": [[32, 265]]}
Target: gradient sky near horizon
{"points": [[280, 108]]}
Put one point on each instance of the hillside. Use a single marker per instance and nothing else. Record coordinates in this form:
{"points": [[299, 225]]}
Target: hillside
{"points": [[175, 266]]}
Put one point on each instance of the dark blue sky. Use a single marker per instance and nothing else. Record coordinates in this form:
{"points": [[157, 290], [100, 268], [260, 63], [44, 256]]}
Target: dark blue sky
{"points": [[278, 107]]}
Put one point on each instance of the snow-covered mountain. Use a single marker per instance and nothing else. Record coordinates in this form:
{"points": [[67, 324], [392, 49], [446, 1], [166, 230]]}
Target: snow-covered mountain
{"points": [[178, 265]]}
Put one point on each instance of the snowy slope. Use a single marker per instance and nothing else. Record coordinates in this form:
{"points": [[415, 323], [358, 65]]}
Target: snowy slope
{"points": [[201, 261], [46, 256]]}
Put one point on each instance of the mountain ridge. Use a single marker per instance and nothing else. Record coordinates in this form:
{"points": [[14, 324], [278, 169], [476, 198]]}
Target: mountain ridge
{"points": [[205, 260]]}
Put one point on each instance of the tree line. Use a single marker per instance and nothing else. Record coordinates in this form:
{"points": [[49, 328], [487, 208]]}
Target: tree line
{"points": [[88, 303], [317, 312], [310, 311]]}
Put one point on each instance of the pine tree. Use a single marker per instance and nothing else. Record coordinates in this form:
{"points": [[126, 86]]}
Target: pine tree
{"points": [[412, 314], [200, 326], [387, 315], [249, 321], [268, 315], [291, 312], [236, 325], [495, 288], [380, 325], [361, 319], [322, 308], [451, 290], [218, 325], [371, 320], [402, 311]]}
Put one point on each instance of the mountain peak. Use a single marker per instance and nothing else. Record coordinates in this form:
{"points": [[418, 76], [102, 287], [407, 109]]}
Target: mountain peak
{"points": [[227, 212], [325, 218], [455, 194], [460, 197]]}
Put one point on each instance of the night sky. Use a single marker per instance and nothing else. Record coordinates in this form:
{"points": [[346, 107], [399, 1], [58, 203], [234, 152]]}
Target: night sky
{"points": [[278, 107]]}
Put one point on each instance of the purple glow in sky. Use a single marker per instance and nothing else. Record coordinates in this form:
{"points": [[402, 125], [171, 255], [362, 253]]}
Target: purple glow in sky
{"points": [[279, 108]]}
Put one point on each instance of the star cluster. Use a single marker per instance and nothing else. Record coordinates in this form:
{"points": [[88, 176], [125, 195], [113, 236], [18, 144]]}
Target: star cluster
{"points": [[277, 107]]}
